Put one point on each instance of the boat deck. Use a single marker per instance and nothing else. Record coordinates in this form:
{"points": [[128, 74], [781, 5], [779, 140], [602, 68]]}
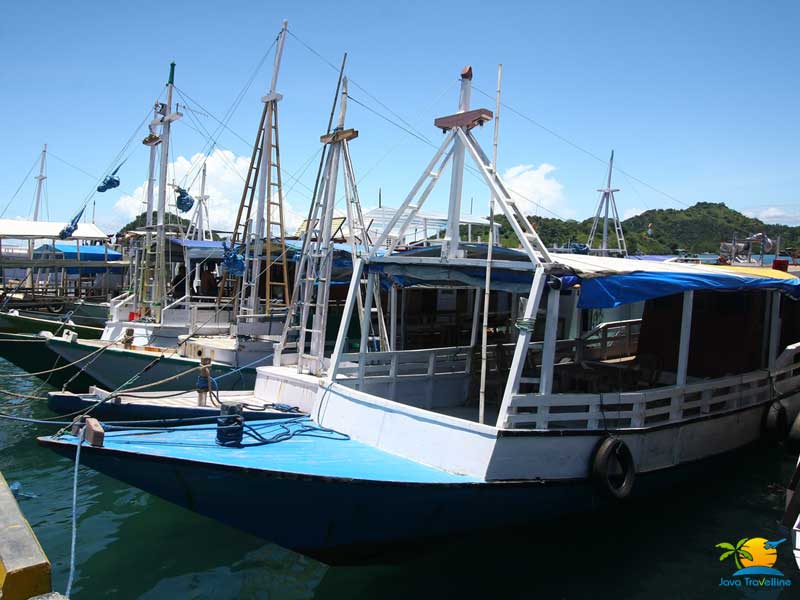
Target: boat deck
{"points": [[158, 405], [309, 451]]}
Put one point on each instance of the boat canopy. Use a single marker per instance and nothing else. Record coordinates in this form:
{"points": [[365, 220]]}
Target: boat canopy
{"points": [[87, 252], [609, 282], [605, 282], [32, 230]]}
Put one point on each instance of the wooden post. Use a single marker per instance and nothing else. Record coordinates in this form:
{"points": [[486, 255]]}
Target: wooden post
{"points": [[393, 318], [550, 338], [366, 318], [521, 348], [341, 336], [686, 335], [774, 328]]}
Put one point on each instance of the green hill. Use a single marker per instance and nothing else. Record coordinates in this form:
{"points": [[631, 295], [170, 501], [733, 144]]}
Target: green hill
{"points": [[699, 228]]}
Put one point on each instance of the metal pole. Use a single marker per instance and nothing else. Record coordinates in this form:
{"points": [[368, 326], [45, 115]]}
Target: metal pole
{"points": [[457, 174], [488, 282], [393, 318], [266, 159], [159, 295], [39, 184], [201, 226], [607, 199]]}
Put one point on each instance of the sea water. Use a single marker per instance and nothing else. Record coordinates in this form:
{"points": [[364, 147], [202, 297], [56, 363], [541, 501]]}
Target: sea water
{"points": [[133, 545]]}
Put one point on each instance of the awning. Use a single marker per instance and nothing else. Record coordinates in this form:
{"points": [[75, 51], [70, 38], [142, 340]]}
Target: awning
{"points": [[50, 230], [87, 252], [608, 282], [605, 282]]}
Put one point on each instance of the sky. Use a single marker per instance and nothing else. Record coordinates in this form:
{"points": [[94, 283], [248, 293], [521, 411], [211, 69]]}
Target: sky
{"points": [[698, 100]]}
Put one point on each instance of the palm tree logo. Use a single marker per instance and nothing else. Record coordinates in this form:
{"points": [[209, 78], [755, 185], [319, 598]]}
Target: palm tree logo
{"points": [[737, 552]]}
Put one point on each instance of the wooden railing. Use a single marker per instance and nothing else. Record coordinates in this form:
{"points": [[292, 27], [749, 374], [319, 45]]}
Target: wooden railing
{"points": [[612, 339], [657, 406]]}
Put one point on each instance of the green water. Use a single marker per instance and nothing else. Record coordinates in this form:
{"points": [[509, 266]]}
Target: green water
{"points": [[133, 545]]}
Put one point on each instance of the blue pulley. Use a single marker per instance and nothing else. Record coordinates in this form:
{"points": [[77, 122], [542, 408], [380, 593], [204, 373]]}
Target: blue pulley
{"points": [[184, 201], [109, 183], [232, 261]]}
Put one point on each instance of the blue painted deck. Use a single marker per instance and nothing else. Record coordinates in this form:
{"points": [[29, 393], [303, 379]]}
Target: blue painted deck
{"points": [[315, 453]]}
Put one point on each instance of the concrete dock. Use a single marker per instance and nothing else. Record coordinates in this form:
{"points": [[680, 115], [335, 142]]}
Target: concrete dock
{"points": [[24, 568]]}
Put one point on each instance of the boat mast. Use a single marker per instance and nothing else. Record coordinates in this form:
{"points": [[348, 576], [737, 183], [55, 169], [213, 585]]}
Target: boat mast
{"points": [[453, 234], [160, 279], [608, 204], [200, 225], [37, 203], [145, 273], [312, 282], [269, 207]]}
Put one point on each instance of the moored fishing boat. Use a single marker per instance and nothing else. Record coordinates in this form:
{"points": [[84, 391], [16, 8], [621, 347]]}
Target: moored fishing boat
{"points": [[30, 353], [233, 325], [399, 447], [14, 321]]}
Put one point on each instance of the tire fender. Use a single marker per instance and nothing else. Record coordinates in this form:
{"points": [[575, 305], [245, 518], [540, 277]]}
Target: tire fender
{"points": [[604, 475], [776, 422]]}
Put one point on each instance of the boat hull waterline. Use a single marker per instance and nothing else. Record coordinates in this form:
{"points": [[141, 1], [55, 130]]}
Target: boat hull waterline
{"points": [[115, 366], [355, 499]]}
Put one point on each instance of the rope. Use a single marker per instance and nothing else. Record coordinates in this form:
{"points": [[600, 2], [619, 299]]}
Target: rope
{"points": [[24, 179], [21, 375], [74, 512], [24, 396]]}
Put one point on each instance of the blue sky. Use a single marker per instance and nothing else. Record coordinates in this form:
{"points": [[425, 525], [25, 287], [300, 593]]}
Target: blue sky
{"points": [[699, 100]]}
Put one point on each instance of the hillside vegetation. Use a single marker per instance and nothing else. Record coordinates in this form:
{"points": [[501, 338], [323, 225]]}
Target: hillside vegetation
{"points": [[699, 228]]}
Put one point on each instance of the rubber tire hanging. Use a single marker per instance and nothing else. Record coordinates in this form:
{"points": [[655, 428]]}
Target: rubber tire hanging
{"points": [[601, 473]]}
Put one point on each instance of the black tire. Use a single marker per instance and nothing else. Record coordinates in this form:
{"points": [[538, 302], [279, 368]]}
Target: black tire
{"points": [[776, 422], [608, 481], [793, 439]]}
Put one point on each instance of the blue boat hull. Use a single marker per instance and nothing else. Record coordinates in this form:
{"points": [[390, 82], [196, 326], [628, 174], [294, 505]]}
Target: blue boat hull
{"points": [[336, 520], [336, 499]]}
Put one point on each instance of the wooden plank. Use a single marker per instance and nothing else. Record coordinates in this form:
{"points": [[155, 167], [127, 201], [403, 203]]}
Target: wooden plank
{"points": [[467, 119], [339, 136]]}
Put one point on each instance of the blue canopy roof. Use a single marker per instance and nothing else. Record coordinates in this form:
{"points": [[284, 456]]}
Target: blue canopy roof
{"points": [[70, 250]]}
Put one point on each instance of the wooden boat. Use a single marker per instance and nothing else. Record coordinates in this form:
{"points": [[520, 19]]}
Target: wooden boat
{"points": [[236, 331], [30, 353], [157, 405], [14, 321], [399, 447]]}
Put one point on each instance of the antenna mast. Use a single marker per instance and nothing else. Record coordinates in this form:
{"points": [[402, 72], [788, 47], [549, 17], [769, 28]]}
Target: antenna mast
{"points": [[200, 226], [37, 203], [608, 203], [159, 294], [249, 234], [312, 284]]}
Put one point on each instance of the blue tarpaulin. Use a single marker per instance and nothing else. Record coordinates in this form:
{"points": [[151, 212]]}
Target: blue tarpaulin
{"points": [[69, 251]]}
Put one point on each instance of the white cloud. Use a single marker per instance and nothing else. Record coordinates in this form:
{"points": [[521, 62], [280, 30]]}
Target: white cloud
{"points": [[225, 173], [775, 214], [533, 188]]}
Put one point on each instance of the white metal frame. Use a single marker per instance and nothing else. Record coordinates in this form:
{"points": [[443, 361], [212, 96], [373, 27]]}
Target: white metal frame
{"points": [[608, 203]]}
